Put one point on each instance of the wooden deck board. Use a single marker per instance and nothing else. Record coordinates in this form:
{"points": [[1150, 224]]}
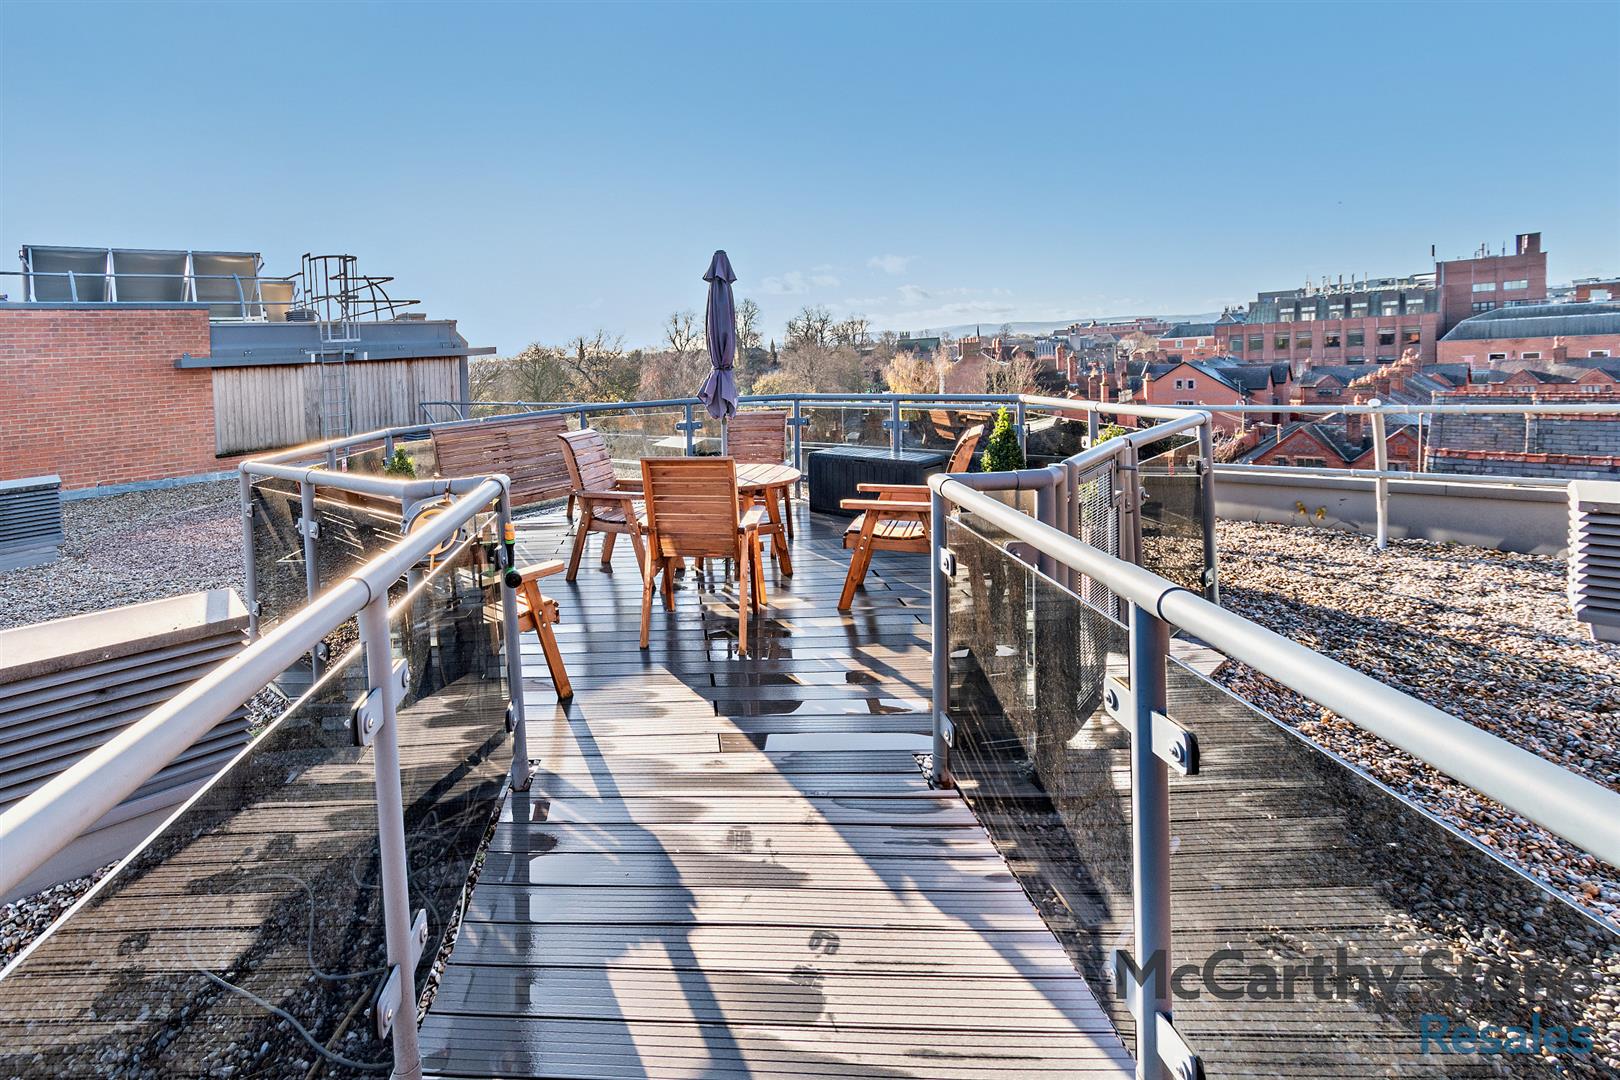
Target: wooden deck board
{"points": [[733, 866]]}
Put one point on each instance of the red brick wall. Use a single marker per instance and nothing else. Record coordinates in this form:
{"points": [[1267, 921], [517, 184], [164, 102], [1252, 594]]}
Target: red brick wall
{"points": [[1552, 349], [93, 395]]}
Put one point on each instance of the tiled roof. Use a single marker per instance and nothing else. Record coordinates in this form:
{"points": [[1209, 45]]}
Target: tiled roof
{"points": [[1539, 320]]}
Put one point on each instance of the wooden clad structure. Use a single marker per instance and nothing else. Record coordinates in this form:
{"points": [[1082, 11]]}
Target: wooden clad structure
{"points": [[525, 448]]}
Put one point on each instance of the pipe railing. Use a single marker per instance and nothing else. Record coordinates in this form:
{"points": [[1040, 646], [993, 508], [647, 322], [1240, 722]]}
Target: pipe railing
{"points": [[1573, 807]]}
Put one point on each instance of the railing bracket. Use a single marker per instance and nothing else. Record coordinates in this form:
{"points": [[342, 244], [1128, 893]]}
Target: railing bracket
{"points": [[947, 562], [385, 1006], [1172, 742], [309, 527], [367, 717], [1178, 1058], [419, 936]]}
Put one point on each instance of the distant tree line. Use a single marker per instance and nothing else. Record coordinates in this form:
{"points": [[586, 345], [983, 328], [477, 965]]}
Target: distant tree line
{"points": [[819, 354]]}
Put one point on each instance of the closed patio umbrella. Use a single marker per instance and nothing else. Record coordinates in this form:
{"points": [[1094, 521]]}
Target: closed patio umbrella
{"points": [[719, 391]]}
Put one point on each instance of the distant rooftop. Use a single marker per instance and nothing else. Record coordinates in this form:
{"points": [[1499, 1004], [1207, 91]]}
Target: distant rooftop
{"points": [[1539, 320]]}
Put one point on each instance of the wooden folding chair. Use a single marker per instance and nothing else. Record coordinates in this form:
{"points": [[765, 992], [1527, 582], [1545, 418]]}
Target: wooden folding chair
{"points": [[607, 504], [894, 517], [759, 437], [693, 511]]}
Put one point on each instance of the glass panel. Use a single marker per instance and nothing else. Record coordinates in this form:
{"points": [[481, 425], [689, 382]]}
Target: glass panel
{"points": [[1289, 868], [1050, 438], [278, 551], [640, 433], [831, 425], [260, 894], [1173, 512], [1038, 760], [938, 427], [246, 937], [453, 743], [1290, 857]]}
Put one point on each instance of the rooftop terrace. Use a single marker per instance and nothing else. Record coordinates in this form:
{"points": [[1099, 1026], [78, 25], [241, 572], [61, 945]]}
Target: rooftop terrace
{"points": [[902, 840]]}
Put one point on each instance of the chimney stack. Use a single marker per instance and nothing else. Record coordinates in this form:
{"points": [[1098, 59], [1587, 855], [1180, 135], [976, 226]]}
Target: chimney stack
{"points": [[1353, 423]]}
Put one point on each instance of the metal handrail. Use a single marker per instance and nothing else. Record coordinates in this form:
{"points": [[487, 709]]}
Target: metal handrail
{"points": [[1580, 810]]}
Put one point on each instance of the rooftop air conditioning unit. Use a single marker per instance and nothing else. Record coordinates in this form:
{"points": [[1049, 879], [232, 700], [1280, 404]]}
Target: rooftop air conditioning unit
{"points": [[1594, 556]]}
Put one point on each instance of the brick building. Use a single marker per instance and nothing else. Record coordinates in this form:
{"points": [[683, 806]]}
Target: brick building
{"points": [[1544, 334], [1339, 441], [1215, 383], [109, 393], [1562, 447], [1380, 320]]}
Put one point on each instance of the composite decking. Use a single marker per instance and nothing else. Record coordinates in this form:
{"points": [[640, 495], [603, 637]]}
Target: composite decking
{"points": [[734, 866]]}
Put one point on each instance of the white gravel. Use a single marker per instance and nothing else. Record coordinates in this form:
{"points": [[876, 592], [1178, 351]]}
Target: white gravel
{"points": [[1485, 635], [126, 549]]}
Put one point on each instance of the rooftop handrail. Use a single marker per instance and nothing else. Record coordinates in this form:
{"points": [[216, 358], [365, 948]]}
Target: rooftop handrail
{"points": [[1580, 810]]}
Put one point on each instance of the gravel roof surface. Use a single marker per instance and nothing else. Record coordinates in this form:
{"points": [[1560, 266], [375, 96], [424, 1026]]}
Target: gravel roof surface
{"points": [[126, 549], [1485, 635]]}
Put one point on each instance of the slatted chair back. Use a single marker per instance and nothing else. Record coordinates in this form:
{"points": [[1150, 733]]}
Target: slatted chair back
{"points": [[962, 453], [590, 466], [758, 437], [692, 507], [525, 448]]}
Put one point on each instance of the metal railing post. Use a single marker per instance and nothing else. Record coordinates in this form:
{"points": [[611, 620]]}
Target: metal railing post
{"points": [[1381, 484], [691, 444], [1018, 422], [895, 442], [310, 529], [1046, 512], [250, 568], [1206, 496], [1130, 503], [396, 885], [1091, 427], [939, 610], [514, 646], [798, 433], [1150, 837]]}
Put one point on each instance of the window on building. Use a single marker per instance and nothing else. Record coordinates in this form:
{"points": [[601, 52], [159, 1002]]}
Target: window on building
{"points": [[1279, 460], [1330, 339], [1327, 391], [1358, 309], [1483, 305], [1355, 338], [1591, 388], [1307, 315], [1484, 286], [1411, 335], [1285, 315], [1310, 462], [1521, 283], [1236, 344], [1188, 401], [1390, 307], [1200, 341], [1414, 305], [1597, 352], [1531, 355], [1386, 337], [1302, 341], [1280, 342], [1257, 342], [1497, 356]]}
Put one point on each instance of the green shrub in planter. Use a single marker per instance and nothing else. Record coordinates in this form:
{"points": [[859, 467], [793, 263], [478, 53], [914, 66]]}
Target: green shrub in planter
{"points": [[1002, 453], [400, 464]]}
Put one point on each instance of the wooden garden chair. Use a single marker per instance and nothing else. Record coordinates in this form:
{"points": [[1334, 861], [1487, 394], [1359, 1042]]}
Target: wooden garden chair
{"points": [[894, 517], [694, 512], [607, 504], [539, 613], [759, 437]]}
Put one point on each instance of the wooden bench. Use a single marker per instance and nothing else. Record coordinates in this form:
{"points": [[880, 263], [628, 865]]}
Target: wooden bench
{"points": [[525, 448]]}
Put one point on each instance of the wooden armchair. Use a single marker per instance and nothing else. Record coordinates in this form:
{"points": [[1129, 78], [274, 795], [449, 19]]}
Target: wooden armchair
{"points": [[607, 504], [759, 437], [895, 517], [693, 511]]}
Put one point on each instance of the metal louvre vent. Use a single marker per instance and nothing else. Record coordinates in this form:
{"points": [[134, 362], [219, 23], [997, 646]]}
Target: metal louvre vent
{"points": [[1594, 556], [30, 521], [68, 686]]}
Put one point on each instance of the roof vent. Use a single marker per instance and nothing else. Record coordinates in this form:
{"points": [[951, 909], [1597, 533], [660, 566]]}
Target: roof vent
{"points": [[1594, 556], [30, 521]]}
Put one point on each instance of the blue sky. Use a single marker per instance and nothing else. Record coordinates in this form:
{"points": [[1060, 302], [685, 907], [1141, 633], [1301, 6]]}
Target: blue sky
{"points": [[541, 171]]}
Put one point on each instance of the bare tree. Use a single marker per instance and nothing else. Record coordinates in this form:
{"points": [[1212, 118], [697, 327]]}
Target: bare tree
{"points": [[917, 373], [855, 331], [600, 369], [537, 374], [683, 333], [748, 318], [811, 326], [1013, 376]]}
